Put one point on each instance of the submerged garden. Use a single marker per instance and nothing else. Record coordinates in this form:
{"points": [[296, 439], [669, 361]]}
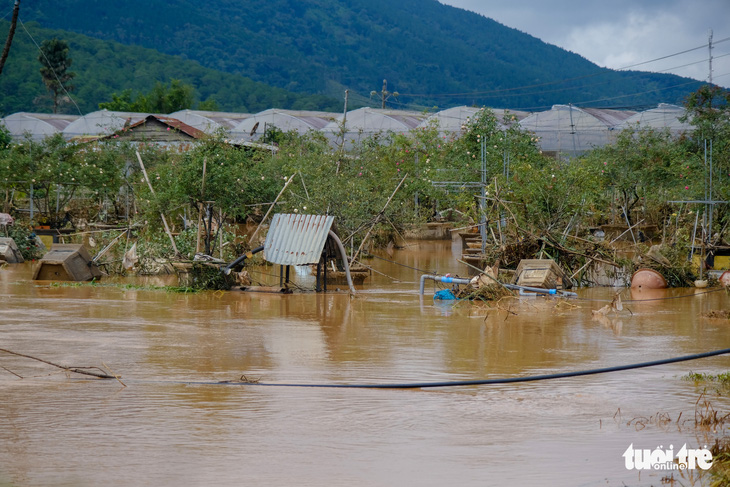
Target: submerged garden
{"points": [[662, 189]]}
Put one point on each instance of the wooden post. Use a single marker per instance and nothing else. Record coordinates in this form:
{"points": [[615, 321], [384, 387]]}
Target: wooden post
{"points": [[200, 210], [164, 220], [271, 207]]}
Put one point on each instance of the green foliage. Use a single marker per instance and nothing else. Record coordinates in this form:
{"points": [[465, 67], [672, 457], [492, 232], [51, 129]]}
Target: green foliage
{"points": [[644, 168], [708, 109], [163, 98], [55, 62], [107, 68], [327, 46], [58, 172], [25, 240], [546, 198], [5, 138], [720, 382]]}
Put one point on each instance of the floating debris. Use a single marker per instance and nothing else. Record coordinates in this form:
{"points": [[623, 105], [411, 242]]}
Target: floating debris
{"points": [[9, 252], [67, 262]]}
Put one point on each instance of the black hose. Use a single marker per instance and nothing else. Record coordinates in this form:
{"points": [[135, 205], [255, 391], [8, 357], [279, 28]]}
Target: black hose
{"points": [[507, 380], [227, 269]]}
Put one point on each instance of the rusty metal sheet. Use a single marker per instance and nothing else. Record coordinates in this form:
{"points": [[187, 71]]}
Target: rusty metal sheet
{"points": [[295, 239]]}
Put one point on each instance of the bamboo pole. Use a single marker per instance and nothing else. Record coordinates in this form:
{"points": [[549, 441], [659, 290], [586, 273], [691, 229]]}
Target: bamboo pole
{"points": [[272, 207], [377, 218], [164, 220]]}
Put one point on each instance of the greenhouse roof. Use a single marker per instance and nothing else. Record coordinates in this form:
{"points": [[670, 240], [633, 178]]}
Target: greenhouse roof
{"points": [[453, 119], [663, 116], [36, 125], [208, 121], [366, 122], [300, 121], [570, 130], [101, 122], [564, 129]]}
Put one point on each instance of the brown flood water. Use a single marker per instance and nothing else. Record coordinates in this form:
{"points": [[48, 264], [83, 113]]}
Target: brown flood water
{"points": [[172, 425]]}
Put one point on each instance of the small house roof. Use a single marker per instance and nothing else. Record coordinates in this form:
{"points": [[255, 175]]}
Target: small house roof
{"points": [[165, 124]]}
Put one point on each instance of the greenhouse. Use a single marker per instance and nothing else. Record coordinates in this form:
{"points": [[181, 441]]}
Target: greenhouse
{"points": [[566, 131], [665, 116], [452, 120], [102, 122], [366, 122], [37, 126], [210, 122], [300, 121]]}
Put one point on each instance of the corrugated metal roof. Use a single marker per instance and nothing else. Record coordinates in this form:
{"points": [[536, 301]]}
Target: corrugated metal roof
{"points": [[296, 239]]}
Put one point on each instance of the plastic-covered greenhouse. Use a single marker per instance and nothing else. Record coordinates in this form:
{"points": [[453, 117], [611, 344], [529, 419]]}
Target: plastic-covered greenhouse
{"points": [[452, 120], [210, 122], [102, 122], [664, 116], [301, 121], [566, 131], [37, 126], [366, 122]]}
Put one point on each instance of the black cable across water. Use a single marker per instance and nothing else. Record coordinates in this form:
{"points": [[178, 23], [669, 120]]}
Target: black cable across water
{"points": [[479, 382]]}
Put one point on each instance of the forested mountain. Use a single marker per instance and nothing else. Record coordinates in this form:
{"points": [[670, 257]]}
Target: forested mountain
{"points": [[105, 67], [432, 54]]}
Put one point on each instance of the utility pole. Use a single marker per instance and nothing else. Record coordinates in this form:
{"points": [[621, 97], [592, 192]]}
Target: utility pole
{"points": [[709, 45], [343, 130], [11, 33], [344, 116], [384, 94]]}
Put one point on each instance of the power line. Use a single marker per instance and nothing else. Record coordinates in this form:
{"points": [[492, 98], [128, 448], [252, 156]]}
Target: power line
{"points": [[603, 72], [50, 66]]}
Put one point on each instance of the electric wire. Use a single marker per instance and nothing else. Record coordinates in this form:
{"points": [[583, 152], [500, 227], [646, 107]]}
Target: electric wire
{"points": [[604, 71], [403, 265], [49, 65]]}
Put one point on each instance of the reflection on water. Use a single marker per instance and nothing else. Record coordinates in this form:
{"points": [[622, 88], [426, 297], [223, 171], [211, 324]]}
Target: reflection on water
{"points": [[172, 425]]}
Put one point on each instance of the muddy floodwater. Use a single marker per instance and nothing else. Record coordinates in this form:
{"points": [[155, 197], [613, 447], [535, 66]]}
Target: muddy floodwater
{"points": [[179, 423]]}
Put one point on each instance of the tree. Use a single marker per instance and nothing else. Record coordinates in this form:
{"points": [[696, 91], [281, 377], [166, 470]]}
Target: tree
{"points": [[708, 109], [125, 103], [163, 98], [55, 63], [5, 138]]}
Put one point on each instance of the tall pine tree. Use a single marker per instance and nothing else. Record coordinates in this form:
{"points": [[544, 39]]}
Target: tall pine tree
{"points": [[55, 63]]}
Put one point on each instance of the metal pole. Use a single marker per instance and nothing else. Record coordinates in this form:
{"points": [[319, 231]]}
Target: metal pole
{"points": [[483, 202], [711, 204]]}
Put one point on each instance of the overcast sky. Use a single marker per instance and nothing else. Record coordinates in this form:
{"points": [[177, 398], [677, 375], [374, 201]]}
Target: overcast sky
{"points": [[620, 33]]}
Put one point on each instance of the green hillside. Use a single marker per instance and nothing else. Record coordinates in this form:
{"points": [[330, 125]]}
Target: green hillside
{"points": [[105, 67], [430, 53]]}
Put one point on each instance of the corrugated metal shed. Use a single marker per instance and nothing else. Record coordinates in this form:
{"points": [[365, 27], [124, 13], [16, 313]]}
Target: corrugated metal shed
{"points": [[296, 239]]}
